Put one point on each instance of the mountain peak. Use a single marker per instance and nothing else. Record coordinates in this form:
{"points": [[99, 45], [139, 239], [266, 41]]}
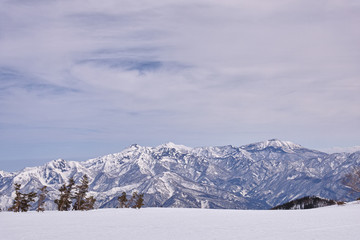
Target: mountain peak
{"points": [[134, 145], [57, 164], [173, 145], [287, 146]]}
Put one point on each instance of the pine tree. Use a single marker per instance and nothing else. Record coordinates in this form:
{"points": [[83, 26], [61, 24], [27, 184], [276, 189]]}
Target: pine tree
{"points": [[80, 193], [68, 195], [26, 199], [60, 202], [41, 201], [89, 203], [21, 201], [64, 202], [139, 201], [81, 201], [17, 201], [131, 200], [122, 200], [136, 200]]}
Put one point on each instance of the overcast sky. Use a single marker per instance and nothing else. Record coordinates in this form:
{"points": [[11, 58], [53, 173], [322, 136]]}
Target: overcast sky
{"points": [[80, 79]]}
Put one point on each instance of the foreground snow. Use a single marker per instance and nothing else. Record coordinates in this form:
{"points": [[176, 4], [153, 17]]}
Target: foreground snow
{"points": [[336, 222]]}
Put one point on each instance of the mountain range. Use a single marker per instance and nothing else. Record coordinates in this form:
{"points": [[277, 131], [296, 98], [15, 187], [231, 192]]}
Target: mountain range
{"points": [[254, 176]]}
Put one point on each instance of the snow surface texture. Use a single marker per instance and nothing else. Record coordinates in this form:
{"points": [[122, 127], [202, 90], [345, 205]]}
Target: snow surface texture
{"points": [[255, 176], [335, 222]]}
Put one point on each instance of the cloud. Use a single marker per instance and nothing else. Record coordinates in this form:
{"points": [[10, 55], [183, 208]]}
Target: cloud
{"points": [[200, 73]]}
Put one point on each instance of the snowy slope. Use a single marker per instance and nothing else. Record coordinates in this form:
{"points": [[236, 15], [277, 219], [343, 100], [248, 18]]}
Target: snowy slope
{"points": [[336, 222], [255, 176]]}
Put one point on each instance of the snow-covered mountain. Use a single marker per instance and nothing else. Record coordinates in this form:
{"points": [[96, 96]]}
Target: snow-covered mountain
{"points": [[254, 176]]}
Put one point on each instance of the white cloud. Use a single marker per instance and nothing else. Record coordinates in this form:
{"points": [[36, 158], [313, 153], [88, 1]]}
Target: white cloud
{"points": [[203, 72]]}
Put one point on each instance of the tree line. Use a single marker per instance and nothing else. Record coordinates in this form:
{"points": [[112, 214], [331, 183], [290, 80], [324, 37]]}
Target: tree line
{"points": [[72, 197]]}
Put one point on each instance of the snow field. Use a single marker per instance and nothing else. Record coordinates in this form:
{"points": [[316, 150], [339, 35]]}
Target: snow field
{"points": [[336, 222]]}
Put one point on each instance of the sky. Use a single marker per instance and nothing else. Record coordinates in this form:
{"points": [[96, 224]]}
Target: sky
{"points": [[81, 79]]}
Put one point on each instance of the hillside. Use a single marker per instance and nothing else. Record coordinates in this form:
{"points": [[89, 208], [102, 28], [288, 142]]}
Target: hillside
{"points": [[255, 176], [307, 202], [335, 222]]}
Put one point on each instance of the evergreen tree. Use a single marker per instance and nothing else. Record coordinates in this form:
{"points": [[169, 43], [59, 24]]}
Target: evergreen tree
{"points": [[131, 200], [139, 201], [64, 201], [60, 202], [89, 203], [81, 201], [26, 199], [41, 201], [21, 201], [136, 200], [17, 201], [122, 200], [80, 193]]}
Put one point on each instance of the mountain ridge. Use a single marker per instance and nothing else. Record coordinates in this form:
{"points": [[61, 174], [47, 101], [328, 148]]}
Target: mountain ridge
{"points": [[256, 176]]}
